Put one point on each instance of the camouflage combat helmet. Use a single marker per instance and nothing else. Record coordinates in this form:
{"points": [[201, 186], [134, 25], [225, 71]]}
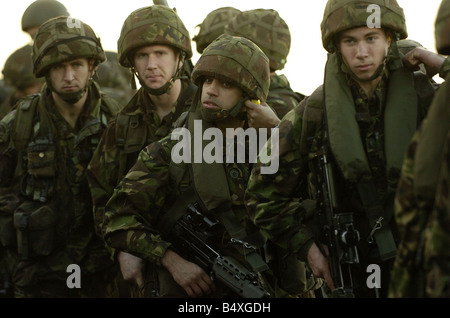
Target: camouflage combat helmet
{"points": [[18, 69], [63, 39], [213, 26], [238, 60], [155, 24], [342, 15], [268, 30], [442, 28], [40, 11]]}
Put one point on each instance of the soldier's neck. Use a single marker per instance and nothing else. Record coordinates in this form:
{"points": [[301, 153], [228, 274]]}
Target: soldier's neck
{"points": [[70, 112], [165, 102], [369, 87]]}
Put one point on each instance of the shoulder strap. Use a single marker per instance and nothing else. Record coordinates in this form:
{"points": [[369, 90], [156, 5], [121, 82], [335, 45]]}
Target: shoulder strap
{"points": [[23, 123]]}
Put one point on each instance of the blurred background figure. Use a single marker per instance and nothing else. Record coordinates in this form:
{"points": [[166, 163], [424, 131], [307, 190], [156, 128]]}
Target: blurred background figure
{"points": [[212, 26], [18, 74], [114, 79], [40, 11], [271, 33]]}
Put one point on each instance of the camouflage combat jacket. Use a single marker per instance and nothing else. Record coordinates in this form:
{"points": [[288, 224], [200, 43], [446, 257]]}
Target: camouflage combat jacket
{"points": [[283, 204], [45, 199], [282, 98], [136, 126]]}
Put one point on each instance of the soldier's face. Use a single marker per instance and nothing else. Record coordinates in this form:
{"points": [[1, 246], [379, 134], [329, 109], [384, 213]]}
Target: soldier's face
{"points": [[156, 64], [72, 76], [364, 50], [218, 94]]}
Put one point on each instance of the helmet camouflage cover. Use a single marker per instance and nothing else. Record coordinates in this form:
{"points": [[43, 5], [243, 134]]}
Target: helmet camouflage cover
{"points": [[63, 39], [341, 15], [238, 60], [213, 26], [18, 69], [268, 30], [442, 28], [151, 25], [40, 11]]}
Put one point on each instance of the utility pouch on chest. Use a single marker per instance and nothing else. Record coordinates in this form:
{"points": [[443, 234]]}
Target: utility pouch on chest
{"points": [[35, 228], [41, 157]]}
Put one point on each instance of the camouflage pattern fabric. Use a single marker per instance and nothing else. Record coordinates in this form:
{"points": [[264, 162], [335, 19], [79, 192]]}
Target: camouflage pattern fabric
{"points": [[282, 98], [228, 57], [281, 204], [213, 26], [105, 169], [341, 15], [63, 233], [268, 30], [57, 42], [156, 24]]}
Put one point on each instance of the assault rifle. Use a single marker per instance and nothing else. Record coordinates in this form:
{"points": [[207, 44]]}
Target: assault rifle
{"points": [[194, 236], [337, 230]]}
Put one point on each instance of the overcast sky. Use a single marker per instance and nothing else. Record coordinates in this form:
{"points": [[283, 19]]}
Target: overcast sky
{"points": [[306, 59]]}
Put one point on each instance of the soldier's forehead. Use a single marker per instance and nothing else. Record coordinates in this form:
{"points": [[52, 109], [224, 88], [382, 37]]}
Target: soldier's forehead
{"points": [[361, 31]]}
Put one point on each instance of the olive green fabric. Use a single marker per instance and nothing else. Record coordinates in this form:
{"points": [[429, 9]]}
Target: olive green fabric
{"points": [[341, 112], [40, 11]]}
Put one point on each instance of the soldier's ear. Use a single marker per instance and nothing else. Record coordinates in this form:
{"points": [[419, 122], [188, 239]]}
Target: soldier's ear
{"points": [[93, 67]]}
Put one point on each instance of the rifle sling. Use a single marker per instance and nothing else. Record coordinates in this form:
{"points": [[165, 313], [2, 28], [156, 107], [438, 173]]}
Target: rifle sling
{"points": [[374, 211]]}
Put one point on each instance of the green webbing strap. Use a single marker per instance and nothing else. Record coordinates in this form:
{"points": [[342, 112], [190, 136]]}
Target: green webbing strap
{"points": [[378, 219], [23, 123], [176, 211]]}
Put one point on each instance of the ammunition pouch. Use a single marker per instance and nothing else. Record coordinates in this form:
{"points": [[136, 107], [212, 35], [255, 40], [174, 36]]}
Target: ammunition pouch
{"points": [[35, 225]]}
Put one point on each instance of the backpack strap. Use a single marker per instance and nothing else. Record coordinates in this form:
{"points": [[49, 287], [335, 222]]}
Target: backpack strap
{"points": [[23, 123]]}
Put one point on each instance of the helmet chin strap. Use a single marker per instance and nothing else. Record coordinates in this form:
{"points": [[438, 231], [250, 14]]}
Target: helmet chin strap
{"points": [[71, 98], [213, 115], [166, 87]]}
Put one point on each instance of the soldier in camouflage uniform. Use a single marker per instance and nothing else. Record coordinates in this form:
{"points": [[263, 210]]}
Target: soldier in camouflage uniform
{"points": [[114, 79], [154, 43], [271, 33], [40, 11], [46, 143], [213, 26], [421, 268], [364, 115], [230, 71], [18, 73]]}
